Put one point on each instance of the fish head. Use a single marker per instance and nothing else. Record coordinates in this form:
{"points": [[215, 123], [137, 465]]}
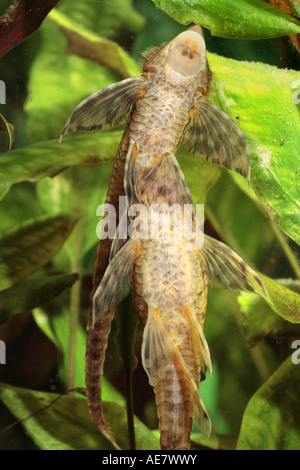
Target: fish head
{"points": [[186, 54], [184, 59]]}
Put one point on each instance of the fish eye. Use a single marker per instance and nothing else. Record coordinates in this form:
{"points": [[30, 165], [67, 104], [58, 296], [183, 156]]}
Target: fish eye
{"points": [[187, 54]]}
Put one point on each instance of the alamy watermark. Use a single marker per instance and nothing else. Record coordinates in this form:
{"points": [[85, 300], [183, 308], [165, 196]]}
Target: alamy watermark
{"points": [[156, 221], [296, 354], [2, 92], [2, 352]]}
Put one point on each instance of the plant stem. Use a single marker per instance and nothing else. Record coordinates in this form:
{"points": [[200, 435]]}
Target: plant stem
{"points": [[256, 353], [286, 249], [125, 340], [75, 267]]}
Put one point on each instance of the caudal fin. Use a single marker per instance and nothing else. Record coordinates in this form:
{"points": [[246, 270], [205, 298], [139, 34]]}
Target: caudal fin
{"points": [[177, 394]]}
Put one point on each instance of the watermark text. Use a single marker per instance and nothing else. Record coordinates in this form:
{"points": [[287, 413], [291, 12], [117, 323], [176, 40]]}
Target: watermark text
{"points": [[2, 92], [296, 94], [296, 354], [2, 352], [156, 221]]}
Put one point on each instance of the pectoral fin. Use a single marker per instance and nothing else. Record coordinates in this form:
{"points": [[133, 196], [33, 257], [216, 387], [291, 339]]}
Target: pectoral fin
{"points": [[213, 135], [116, 282], [228, 270], [106, 107], [130, 174]]}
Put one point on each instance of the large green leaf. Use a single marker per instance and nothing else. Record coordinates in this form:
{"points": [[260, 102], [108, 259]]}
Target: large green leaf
{"points": [[260, 320], [116, 19], [89, 45], [35, 162], [29, 247], [272, 417], [32, 293], [59, 82], [66, 424], [261, 97], [232, 18], [81, 190], [231, 211]]}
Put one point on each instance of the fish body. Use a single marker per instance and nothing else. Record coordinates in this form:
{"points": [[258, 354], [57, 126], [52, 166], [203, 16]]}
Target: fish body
{"points": [[170, 291], [169, 279]]}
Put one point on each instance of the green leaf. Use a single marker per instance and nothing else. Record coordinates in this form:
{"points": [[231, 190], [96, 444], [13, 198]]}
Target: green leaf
{"points": [[284, 301], [243, 19], [237, 222], [49, 158], [196, 169], [215, 442], [66, 424], [54, 321], [19, 205], [31, 246], [260, 321], [30, 294], [242, 237], [272, 418], [262, 97], [236, 374], [90, 46], [7, 128], [59, 82], [116, 19], [79, 189]]}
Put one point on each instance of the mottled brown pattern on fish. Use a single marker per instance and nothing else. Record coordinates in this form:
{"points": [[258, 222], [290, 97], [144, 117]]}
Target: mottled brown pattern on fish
{"points": [[94, 359], [169, 283], [115, 189], [97, 337], [175, 409], [157, 124]]}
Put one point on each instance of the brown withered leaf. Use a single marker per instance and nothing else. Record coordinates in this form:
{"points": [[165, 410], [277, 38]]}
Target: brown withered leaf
{"points": [[22, 19]]}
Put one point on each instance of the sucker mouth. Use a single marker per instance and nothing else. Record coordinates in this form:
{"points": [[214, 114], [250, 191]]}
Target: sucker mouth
{"points": [[187, 54]]}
